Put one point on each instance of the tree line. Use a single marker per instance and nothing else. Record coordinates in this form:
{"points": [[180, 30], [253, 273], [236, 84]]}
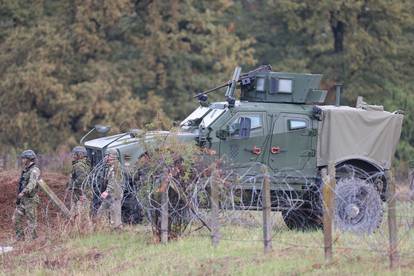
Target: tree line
{"points": [[67, 65]]}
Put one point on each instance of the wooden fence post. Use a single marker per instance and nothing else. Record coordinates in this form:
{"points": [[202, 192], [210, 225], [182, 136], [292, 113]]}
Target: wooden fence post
{"points": [[55, 199], [214, 199], [392, 220], [329, 184], [3, 163], [164, 217], [267, 205]]}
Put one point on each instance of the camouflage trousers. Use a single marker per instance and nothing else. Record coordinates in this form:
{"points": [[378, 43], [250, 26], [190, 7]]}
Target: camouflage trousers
{"points": [[111, 208], [26, 210]]}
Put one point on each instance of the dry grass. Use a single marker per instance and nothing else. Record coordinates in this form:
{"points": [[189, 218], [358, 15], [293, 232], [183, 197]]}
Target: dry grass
{"points": [[83, 247], [73, 251]]}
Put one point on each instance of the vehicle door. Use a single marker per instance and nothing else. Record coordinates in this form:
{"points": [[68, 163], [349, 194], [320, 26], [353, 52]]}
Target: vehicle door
{"points": [[293, 145], [245, 139]]}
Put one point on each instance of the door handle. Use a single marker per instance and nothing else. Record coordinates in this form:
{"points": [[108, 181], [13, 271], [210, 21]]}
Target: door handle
{"points": [[256, 150], [275, 150]]}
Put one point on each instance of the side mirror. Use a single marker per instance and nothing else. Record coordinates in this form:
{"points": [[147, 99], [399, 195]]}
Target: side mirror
{"points": [[102, 129], [245, 126], [99, 128], [222, 134], [234, 129]]}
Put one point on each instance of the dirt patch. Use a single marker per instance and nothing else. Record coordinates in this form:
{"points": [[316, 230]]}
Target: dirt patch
{"points": [[47, 212]]}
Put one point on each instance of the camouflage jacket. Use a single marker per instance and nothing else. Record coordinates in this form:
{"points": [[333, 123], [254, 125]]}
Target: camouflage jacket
{"points": [[114, 181], [80, 171], [28, 185]]}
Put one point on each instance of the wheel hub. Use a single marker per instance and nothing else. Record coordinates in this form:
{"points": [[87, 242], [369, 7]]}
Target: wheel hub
{"points": [[358, 206], [352, 211]]}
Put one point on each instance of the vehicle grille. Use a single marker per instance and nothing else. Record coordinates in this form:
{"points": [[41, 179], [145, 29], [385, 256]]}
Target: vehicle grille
{"points": [[95, 156]]}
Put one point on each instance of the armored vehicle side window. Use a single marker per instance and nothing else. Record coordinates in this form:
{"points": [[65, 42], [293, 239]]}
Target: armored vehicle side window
{"points": [[197, 114], [285, 86], [260, 85], [245, 125], [292, 122], [295, 124]]}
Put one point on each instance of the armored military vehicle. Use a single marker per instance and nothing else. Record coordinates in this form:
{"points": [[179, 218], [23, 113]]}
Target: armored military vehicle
{"points": [[280, 120]]}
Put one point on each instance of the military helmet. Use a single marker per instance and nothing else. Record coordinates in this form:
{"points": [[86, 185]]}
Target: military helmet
{"points": [[28, 154], [112, 153], [79, 150]]}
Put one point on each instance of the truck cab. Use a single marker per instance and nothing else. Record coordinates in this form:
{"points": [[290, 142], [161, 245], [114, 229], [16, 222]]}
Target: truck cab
{"points": [[272, 123]]}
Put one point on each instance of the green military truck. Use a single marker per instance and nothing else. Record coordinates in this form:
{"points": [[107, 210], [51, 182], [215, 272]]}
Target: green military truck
{"points": [[280, 120]]}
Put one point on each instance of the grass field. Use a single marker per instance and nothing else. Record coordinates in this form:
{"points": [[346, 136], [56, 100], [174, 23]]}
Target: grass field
{"points": [[240, 252]]}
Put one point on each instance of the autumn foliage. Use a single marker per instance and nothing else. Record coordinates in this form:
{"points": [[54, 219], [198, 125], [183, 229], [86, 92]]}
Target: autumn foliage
{"points": [[67, 65]]}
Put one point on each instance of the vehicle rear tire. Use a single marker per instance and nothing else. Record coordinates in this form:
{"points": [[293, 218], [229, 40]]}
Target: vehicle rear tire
{"points": [[359, 197], [358, 206]]}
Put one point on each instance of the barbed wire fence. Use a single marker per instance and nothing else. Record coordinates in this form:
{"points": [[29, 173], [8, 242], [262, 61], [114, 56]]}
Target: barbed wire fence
{"points": [[344, 210]]}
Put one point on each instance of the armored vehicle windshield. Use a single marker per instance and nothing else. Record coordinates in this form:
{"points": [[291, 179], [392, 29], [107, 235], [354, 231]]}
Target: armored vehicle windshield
{"points": [[203, 116]]}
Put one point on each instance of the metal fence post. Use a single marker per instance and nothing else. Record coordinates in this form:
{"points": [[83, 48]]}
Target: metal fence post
{"points": [[267, 224]]}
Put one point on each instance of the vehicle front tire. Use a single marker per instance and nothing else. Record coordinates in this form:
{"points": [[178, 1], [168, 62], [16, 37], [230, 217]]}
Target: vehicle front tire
{"points": [[307, 216]]}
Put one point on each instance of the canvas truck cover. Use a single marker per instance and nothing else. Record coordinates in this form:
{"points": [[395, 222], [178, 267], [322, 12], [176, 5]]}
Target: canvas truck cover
{"points": [[353, 133]]}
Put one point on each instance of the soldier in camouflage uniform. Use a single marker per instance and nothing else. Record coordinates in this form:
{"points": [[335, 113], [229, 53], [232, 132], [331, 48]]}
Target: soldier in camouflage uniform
{"points": [[27, 198], [80, 192], [112, 196]]}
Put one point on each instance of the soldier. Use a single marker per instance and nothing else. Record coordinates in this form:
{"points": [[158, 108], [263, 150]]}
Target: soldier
{"points": [[79, 190], [114, 192], [27, 198]]}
